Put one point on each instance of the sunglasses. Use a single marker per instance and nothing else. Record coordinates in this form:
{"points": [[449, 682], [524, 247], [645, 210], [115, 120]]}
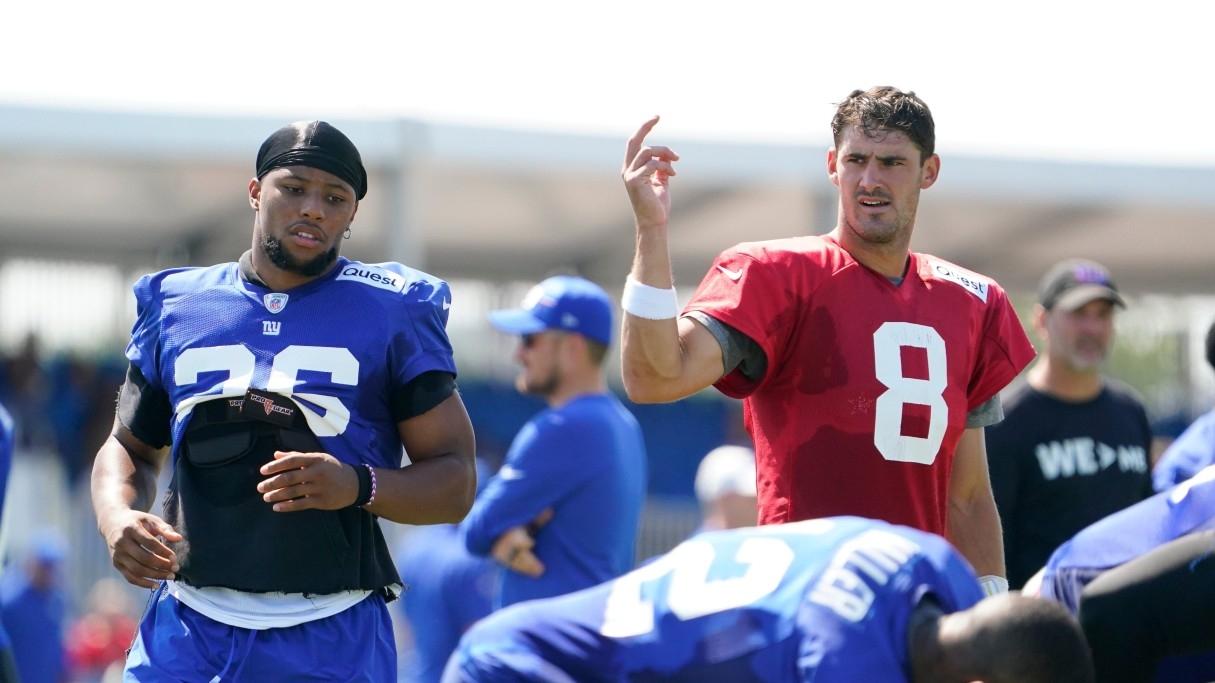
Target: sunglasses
{"points": [[527, 341]]}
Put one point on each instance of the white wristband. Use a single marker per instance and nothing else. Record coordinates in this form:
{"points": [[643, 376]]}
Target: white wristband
{"points": [[649, 302], [993, 585]]}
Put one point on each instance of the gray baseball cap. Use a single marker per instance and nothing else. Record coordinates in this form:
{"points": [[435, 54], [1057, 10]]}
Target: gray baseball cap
{"points": [[1072, 283]]}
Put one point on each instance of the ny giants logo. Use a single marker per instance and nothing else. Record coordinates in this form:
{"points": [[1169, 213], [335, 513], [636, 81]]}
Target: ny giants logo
{"points": [[1090, 275]]}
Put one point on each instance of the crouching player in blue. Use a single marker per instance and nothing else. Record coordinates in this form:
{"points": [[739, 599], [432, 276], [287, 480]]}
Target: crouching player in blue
{"points": [[286, 385], [840, 599], [1143, 583], [1195, 448]]}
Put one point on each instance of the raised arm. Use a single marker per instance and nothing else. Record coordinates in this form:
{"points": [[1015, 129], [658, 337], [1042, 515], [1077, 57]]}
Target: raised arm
{"points": [[663, 358]]}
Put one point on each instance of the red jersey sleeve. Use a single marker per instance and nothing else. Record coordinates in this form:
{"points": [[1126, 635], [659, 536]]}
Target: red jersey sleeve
{"points": [[1004, 350], [754, 296]]}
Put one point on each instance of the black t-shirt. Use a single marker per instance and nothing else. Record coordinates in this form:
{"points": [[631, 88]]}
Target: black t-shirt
{"points": [[1058, 466]]}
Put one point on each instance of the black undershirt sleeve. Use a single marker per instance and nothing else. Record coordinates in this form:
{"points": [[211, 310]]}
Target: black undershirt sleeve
{"points": [[1155, 606], [738, 351], [422, 393], [985, 414], [144, 410]]}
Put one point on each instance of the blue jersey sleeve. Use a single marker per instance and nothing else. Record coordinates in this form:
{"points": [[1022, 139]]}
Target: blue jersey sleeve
{"points": [[550, 457], [421, 343], [844, 643], [1127, 534], [143, 348], [1192, 451], [7, 441]]}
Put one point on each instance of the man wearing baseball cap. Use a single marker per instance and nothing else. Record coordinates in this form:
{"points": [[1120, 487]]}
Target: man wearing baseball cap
{"points": [[725, 488], [563, 511], [1074, 445]]}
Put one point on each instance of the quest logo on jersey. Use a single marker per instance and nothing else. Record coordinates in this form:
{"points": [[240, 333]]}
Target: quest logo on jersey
{"points": [[974, 284], [370, 275]]}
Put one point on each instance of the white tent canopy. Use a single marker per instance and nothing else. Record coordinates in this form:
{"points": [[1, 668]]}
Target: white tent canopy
{"points": [[159, 190]]}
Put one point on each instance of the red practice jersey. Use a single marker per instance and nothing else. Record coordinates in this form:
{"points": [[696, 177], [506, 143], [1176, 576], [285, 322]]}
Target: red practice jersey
{"points": [[868, 383]]}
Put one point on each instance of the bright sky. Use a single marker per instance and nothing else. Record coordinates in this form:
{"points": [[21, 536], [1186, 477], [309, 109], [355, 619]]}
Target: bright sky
{"points": [[1056, 79]]}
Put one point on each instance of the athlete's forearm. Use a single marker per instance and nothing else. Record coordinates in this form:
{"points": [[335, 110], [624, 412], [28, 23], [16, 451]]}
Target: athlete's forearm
{"points": [[123, 487], [436, 490], [974, 529], [651, 358], [650, 350], [652, 257], [973, 524], [121, 481]]}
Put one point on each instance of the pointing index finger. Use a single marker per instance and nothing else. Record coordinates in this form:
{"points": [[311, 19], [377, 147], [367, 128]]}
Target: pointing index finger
{"points": [[634, 144]]}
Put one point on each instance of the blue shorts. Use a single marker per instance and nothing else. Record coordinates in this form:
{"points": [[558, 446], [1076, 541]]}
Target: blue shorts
{"points": [[176, 643]]}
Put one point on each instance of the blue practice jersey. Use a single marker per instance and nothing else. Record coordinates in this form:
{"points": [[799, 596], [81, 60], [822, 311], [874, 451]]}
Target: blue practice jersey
{"points": [[337, 346], [825, 600], [7, 442], [1192, 451], [585, 460], [1125, 535]]}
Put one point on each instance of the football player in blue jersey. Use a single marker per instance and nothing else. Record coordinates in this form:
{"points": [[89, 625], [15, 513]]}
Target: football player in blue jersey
{"points": [[283, 388], [1195, 448], [1143, 583], [8, 668], [838, 599]]}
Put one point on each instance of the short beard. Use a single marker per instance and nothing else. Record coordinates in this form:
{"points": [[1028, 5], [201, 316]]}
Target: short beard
{"points": [[1078, 364], [542, 388], [878, 232], [273, 248]]}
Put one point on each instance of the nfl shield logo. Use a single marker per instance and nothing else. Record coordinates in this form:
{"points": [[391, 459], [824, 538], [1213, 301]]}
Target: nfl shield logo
{"points": [[275, 302]]}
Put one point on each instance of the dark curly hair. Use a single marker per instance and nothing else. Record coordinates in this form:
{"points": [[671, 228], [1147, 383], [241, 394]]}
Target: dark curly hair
{"points": [[885, 108]]}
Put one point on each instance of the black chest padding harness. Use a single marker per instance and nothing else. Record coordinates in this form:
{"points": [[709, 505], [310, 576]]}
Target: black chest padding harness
{"points": [[232, 538]]}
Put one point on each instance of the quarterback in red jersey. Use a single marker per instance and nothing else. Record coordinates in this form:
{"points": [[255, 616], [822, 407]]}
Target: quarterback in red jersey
{"points": [[868, 370]]}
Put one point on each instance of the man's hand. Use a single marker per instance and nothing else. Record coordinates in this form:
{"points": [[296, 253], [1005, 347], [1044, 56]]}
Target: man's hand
{"points": [[645, 172], [137, 549], [513, 549], [308, 481]]}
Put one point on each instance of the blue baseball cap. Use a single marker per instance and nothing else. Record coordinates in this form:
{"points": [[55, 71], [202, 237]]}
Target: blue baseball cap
{"points": [[563, 302], [48, 547]]}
